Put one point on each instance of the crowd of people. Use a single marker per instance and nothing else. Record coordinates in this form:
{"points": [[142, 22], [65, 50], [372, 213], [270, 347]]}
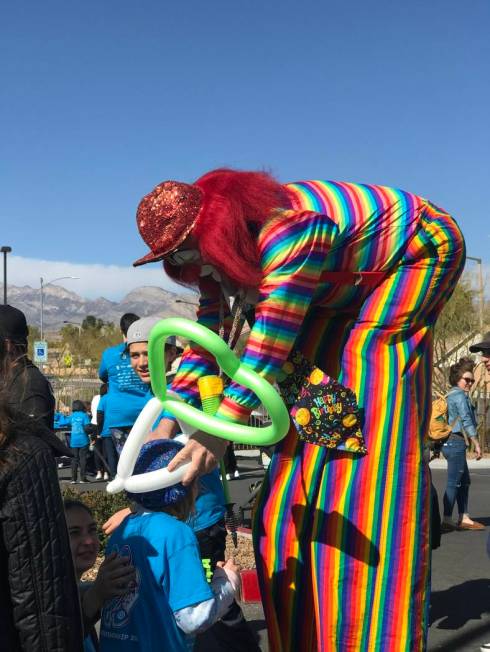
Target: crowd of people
{"points": [[344, 278]]}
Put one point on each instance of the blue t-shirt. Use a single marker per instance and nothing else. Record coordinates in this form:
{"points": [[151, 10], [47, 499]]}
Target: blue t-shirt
{"points": [[169, 577], [60, 420], [78, 436], [127, 394], [210, 502], [106, 431]]}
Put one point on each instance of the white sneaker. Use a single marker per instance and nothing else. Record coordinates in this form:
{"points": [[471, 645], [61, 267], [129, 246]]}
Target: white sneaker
{"points": [[99, 475], [73, 482], [236, 474], [228, 476], [106, 476], [485, 647], [60, 465]]}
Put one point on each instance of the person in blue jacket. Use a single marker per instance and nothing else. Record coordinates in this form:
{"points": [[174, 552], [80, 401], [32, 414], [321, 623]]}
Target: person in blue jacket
{"points": [[127, 394], [79, 440], [461, 416]]}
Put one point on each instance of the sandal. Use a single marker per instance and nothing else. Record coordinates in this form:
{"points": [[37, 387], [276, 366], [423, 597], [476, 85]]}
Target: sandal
{"points": [[471, 526]]}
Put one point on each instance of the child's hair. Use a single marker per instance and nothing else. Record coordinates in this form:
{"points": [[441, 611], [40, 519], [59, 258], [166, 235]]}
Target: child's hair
{"points": [[78, 406], [69, 503], [457, 370], [183, 509], [176, 500]]}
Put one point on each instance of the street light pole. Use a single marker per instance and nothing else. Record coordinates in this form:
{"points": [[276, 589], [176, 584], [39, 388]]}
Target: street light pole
{"points": [[43, 285], [5, 251], [481, 291]]}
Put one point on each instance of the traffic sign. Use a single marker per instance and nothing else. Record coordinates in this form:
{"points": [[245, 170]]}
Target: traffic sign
{"points": [[40, 351]]}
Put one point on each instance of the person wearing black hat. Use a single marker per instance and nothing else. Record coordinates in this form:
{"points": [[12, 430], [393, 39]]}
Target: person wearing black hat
{"points": [[39, 598], [30, 392], [483, 348]]}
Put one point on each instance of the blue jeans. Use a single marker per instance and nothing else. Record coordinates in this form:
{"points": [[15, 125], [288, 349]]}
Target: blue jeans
{"points": [[458, 476]]}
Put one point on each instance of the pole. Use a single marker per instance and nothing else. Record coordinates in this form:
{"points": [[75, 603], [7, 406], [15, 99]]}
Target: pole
{"points": [[42, 309], [481, 292], [481, 296], [4, 278], [5, 251]]}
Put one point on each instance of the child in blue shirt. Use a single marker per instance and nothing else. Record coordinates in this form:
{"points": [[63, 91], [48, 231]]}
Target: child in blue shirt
{"points": [[171, 600], [79, 440]]}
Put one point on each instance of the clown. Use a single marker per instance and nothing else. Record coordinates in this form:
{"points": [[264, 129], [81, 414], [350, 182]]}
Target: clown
{"points": [[354, 277]]}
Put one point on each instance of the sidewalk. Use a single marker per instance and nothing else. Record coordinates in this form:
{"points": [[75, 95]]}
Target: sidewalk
{"points": [[473, 465]]}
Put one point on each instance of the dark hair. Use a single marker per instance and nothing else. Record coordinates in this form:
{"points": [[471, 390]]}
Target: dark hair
{"points": [[10, 355], [126, 320], [103, 389], [457, 370], [78, 406], [69, 503], [11, 420]]}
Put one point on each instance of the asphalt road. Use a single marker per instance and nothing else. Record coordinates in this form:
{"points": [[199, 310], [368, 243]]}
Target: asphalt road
{"points": [[460, 600]]}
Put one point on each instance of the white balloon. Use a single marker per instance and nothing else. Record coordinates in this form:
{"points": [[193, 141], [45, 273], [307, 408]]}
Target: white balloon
{"points": [[125, 480]]}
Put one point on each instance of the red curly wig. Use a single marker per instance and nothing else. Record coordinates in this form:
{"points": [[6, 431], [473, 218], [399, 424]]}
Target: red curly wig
{"points": [[235, 206]]}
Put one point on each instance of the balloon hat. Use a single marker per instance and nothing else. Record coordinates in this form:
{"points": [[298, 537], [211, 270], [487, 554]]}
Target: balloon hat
{"points": [[190, 418]]}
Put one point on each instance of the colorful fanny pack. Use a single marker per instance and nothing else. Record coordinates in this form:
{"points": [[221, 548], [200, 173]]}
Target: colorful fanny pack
{"points": [[324, 412]]}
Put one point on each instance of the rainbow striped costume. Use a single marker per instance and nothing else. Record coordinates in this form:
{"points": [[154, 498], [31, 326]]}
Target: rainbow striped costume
{"points": [[342, 541]]}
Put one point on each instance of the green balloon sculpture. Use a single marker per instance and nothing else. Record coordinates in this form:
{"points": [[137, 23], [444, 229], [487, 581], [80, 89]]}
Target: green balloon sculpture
{"points": [[231, 365]]}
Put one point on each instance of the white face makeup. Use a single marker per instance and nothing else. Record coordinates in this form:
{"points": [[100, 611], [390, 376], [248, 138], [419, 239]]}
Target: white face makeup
{"points": [[183, 257]]}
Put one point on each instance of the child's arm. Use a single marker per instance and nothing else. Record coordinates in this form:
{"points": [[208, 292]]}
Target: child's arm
{"points": [[115, 520], [199, 617]]}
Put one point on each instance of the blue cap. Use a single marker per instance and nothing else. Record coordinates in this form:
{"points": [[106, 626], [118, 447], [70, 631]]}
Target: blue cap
{"points": [[155, 455]]}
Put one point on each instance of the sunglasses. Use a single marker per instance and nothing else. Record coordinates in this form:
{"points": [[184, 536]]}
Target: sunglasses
{"points": [[183, 257], [468, 381]]}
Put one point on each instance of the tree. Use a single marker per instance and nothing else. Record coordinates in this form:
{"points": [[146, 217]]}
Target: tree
{"points": [[457, 324], [92, 323]]}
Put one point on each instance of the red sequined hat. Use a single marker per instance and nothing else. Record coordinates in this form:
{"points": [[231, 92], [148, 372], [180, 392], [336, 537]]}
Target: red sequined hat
{"points": [[166, 216]]}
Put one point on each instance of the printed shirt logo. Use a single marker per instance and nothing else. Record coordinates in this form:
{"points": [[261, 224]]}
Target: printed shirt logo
{"points": [[117, 613]]}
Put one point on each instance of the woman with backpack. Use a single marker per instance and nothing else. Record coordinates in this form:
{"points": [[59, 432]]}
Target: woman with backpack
{"points": [[461, 418]]}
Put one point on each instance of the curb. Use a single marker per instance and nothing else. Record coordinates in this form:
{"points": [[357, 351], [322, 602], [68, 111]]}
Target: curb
{"points": [[474, 465]]}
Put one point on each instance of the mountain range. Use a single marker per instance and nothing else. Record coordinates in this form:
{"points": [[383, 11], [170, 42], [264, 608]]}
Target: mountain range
{"points": [[61, 305]]}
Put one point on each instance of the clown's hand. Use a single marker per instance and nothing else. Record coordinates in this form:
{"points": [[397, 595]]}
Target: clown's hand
{"points": [[203, 451]]}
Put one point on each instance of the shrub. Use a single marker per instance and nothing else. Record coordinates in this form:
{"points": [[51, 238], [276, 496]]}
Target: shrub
{"points": [[102, 504]]}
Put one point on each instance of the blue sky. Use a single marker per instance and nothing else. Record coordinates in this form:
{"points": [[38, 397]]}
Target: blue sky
{"points": [[102, 100]]}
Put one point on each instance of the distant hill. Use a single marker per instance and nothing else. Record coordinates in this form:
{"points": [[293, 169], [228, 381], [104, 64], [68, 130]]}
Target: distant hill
{"points": [[62, 305]]}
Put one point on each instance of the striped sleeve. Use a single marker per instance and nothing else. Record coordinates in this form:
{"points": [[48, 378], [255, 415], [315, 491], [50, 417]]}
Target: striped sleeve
{"points": [[196, 361], [293, 249]]}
